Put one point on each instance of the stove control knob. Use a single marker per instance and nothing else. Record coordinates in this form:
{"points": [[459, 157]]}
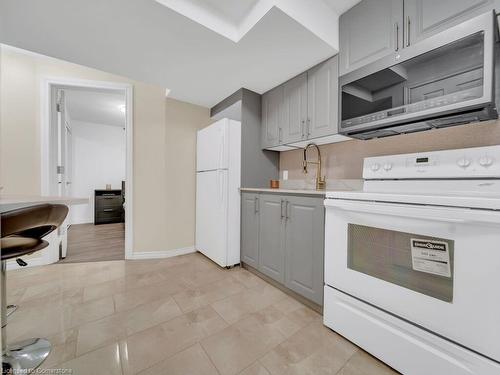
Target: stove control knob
{"points": [[387, 166], [486, 161], [463, 162], [375, 167]]}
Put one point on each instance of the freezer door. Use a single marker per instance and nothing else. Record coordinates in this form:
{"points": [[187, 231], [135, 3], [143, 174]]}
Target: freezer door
{"points": [[211, 215], [212, 147]]}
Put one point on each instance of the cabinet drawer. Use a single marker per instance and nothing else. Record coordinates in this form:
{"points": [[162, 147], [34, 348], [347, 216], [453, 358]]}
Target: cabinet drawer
{"points": [[108, 215], [115, 200]]}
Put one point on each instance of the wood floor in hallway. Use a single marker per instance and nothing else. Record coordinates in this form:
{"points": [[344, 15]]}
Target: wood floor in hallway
{"points": [[95, 243]]}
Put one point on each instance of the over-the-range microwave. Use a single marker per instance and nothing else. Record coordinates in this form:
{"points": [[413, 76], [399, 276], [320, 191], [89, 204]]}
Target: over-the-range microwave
{"points": [[445, 80]]}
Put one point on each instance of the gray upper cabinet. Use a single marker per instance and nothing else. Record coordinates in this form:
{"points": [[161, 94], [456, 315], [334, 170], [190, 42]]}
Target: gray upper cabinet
{"points": [[303, 108], [272, 117], [295, 109], [368, 31], [271, 237], [322, 99], [374, 29], [250, 229], [424, 18], [304, 244]]}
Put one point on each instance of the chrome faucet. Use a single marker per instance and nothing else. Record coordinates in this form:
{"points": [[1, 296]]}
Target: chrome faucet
{"points": [[320, 181]]}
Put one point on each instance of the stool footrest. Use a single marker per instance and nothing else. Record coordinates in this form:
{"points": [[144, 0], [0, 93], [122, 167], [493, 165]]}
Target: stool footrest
{"points": [[11, 309], [25, 355]]}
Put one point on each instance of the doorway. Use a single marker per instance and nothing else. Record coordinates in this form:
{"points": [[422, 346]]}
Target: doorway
{"points": [[87, 153]]}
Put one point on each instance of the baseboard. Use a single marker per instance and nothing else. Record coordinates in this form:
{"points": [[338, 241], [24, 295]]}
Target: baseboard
{"points": [[81, 221], [161, 253]]}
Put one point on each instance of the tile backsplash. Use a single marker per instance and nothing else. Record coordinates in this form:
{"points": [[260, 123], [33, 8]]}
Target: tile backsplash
{"points": [[345, 160]]}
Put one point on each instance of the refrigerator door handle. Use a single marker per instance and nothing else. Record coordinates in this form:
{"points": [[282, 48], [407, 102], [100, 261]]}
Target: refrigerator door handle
{"points": [[220, 182], [222, 147]]}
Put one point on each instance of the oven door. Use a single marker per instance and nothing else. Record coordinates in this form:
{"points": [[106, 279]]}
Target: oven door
{"points": [[437, 267]]}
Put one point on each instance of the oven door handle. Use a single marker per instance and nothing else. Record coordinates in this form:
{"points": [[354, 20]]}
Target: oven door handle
{"points": [[442, 214]]}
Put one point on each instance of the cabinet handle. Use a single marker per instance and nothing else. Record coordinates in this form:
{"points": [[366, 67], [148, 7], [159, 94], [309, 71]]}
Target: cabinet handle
{"points": [[279, 135], [408, 25], [302, 126], [308, 127], [256, 204], [397, 36], [281, 203], [287, 209]]}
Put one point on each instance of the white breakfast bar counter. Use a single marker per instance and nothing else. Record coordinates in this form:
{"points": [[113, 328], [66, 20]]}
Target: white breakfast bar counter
{"points": [[57, 239]]}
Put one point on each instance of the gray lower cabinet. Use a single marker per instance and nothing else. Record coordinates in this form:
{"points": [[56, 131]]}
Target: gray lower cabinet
{"points": [[271, 237], [282, 236], [369, 31], [250, 224], [424, 18], [304, 244]]}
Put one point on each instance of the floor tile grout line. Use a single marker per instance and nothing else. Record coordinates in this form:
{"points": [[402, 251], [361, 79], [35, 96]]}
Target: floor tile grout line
{"points": [[347, 361], [170, 295], [209, 358]]}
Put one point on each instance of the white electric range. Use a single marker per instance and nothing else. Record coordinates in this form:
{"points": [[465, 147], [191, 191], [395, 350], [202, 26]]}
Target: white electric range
{"points": [[412, 261]]}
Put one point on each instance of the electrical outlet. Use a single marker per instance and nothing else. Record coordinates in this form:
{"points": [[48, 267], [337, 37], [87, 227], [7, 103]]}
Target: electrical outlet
{"points": [[285, 175]]}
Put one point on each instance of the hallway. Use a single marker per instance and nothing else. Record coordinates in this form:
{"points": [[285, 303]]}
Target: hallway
{"points": [[95, 243]]}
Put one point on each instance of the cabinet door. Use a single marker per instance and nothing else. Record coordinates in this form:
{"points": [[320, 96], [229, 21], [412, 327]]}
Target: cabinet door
{"points": [[272, 117], [368, 31], [271, 233], [250, 229], [294, 108], [424, 18], [304, 244], [322, 99]]}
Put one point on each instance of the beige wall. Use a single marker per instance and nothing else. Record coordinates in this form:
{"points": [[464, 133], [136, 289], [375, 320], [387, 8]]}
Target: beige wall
{"points": [[160, 127], [345, 159], [183, 121]]}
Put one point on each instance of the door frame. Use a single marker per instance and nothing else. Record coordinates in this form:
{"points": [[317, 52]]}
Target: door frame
{"points": [[47, 84]]}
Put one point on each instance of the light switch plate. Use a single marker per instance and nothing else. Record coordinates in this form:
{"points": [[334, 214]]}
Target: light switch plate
{"points": [[285, 175]]}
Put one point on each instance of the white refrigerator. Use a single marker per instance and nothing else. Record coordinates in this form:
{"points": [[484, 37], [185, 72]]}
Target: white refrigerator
{"points": [[218, 179]]}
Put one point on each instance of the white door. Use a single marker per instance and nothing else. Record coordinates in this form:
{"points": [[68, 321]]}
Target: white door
{"points": [[211, 215], [212, 147], [61, 147], [437, 267]]}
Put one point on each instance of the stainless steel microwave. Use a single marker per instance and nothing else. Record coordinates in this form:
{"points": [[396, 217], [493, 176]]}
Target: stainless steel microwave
{"points": [[447, 79]]}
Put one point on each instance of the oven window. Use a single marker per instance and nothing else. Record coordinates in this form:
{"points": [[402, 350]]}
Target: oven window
{"points": [[446, 75], [421, 263]]}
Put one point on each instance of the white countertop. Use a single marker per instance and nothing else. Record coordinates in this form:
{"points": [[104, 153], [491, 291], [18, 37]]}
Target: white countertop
{"points": [[12, 201], [285, 191], [306, 187]]}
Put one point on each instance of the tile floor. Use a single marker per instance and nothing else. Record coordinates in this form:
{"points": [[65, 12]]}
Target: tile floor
{"points": [[182, 315]]}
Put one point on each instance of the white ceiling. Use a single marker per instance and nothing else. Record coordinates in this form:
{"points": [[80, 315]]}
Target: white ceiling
{"points": [[341, 6], [234, 11], [202, 56], [96, 106]]}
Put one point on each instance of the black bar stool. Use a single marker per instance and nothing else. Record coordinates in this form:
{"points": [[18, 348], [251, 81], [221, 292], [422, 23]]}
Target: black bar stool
{"points": [[22, 232]]}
